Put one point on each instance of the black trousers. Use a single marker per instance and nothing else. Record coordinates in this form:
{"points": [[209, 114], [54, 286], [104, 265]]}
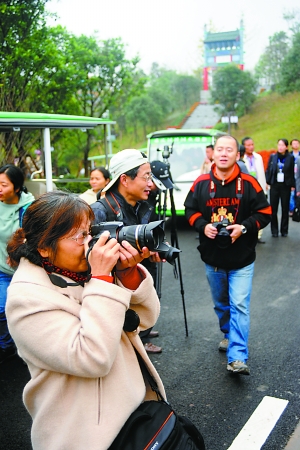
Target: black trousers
{"points": [[282, 192], [152, 268]]}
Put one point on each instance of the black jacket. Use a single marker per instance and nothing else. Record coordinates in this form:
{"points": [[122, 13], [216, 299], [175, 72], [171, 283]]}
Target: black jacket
{"points": [[140, 214], [288, 169], [246, 206]]}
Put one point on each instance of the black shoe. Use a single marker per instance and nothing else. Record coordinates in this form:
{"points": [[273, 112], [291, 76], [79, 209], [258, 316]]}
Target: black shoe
{"points": [[275, 234], [260, 241], [6, 353], [284, 234]]}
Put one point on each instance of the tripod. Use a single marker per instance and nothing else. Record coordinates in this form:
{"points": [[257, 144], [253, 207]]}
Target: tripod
{"points": [[162, 208]]}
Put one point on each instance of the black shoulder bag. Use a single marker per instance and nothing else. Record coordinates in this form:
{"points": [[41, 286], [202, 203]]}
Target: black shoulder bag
{"points": [[296, 212], [154, 425]]}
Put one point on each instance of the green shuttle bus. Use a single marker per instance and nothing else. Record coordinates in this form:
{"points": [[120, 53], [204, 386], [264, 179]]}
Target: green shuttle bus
{"points": [[184, 151]]}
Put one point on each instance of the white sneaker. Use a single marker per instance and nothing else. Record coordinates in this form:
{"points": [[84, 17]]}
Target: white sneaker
{"points": [[238, 367], [223, 346]]}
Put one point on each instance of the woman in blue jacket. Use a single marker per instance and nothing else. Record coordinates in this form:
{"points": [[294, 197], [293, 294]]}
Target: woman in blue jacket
{"points": [[14, 199]]}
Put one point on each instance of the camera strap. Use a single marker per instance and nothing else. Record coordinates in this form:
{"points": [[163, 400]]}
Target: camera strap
{"points": [[112, 207], [238, 188]]}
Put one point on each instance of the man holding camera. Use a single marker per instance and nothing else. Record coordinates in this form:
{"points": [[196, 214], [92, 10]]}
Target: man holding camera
{"points": [[228, 208], [125, 200]]}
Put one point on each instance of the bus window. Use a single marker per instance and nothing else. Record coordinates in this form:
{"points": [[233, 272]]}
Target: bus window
{"points": [[186, 152]]}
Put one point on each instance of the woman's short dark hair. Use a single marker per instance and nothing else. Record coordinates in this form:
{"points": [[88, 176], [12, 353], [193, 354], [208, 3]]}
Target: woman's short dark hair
{"points": [[16, 177], [49, 218], [285, 141], [104, 172], [242, 150]]}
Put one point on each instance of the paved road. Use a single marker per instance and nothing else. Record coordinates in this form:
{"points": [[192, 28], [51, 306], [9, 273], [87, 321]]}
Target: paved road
{"points": [[193, 371]]}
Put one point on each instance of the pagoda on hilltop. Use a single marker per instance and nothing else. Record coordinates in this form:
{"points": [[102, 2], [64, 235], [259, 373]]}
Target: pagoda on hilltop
{"points": [[221, 49]]}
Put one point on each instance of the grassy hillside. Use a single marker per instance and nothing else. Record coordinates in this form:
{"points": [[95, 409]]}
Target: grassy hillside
{"points": [[128, 140], [272, 117]]}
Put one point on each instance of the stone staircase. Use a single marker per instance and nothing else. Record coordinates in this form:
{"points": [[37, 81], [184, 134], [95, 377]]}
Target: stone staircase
{"points": [[203, 116]]}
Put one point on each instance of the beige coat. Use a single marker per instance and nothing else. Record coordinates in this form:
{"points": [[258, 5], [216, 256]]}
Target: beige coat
{"points": [[89, 196], [85, 378]]}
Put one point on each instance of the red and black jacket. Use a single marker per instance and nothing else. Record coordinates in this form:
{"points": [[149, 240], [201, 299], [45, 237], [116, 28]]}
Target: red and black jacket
{"points": [[241, 200]]}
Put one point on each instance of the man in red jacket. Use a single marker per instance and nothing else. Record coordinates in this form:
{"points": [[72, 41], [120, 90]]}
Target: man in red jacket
{"points": [[228, 208]]}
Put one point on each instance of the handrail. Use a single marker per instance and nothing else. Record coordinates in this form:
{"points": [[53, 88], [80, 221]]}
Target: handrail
{"points": [[35, 173]]}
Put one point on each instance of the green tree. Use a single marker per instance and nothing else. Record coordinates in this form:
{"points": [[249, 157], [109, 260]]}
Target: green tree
{"points": [[233, 89], [293, 19], [105, 78], [165, 92], [36, 72], [290, 74], [268, 69], [188, 90], [22, 28]]}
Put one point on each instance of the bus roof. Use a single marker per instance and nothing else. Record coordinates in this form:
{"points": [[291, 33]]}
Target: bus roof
{"points": [[16, 121], [26, 120], [173, 132]]}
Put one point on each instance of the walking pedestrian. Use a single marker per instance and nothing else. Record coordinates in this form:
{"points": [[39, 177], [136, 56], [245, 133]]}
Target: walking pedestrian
{"points": [[295, 144], [255, 166], [228, 208], [240, 159], [280, 176], [206, 165]]}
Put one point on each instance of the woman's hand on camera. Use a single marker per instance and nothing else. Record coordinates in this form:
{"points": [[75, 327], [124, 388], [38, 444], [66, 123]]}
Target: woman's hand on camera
{"points": [[130, 257], [155, 257], [104, 254]]}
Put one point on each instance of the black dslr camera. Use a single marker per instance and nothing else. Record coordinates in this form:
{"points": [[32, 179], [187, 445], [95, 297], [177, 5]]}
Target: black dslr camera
{"points": [[223, 238], [151, 235]]}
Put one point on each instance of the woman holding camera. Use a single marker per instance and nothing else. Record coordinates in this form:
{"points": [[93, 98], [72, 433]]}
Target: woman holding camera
{"points": [[66, 313]]}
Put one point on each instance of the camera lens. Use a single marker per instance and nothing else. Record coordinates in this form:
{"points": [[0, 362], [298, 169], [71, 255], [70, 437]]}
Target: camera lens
{"points": [[139, 236], [151, 235]]}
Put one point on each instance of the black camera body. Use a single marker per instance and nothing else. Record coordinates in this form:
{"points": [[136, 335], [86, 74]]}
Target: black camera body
{"points": [[150, 235], [223, 238]]}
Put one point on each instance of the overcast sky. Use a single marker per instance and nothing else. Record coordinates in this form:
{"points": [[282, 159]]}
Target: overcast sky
{"points": [[168, 31]]}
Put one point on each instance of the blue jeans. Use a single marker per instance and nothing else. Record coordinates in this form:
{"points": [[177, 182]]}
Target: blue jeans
{"points": [[292, 201], [231, 291], [5, 338]]}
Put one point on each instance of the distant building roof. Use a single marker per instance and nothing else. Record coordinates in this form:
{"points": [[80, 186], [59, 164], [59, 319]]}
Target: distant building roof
{"points": [[225, 36]]}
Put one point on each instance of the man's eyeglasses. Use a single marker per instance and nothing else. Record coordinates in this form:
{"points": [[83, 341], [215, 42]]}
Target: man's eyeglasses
{"points": [[81, 238], [148, 177]]}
